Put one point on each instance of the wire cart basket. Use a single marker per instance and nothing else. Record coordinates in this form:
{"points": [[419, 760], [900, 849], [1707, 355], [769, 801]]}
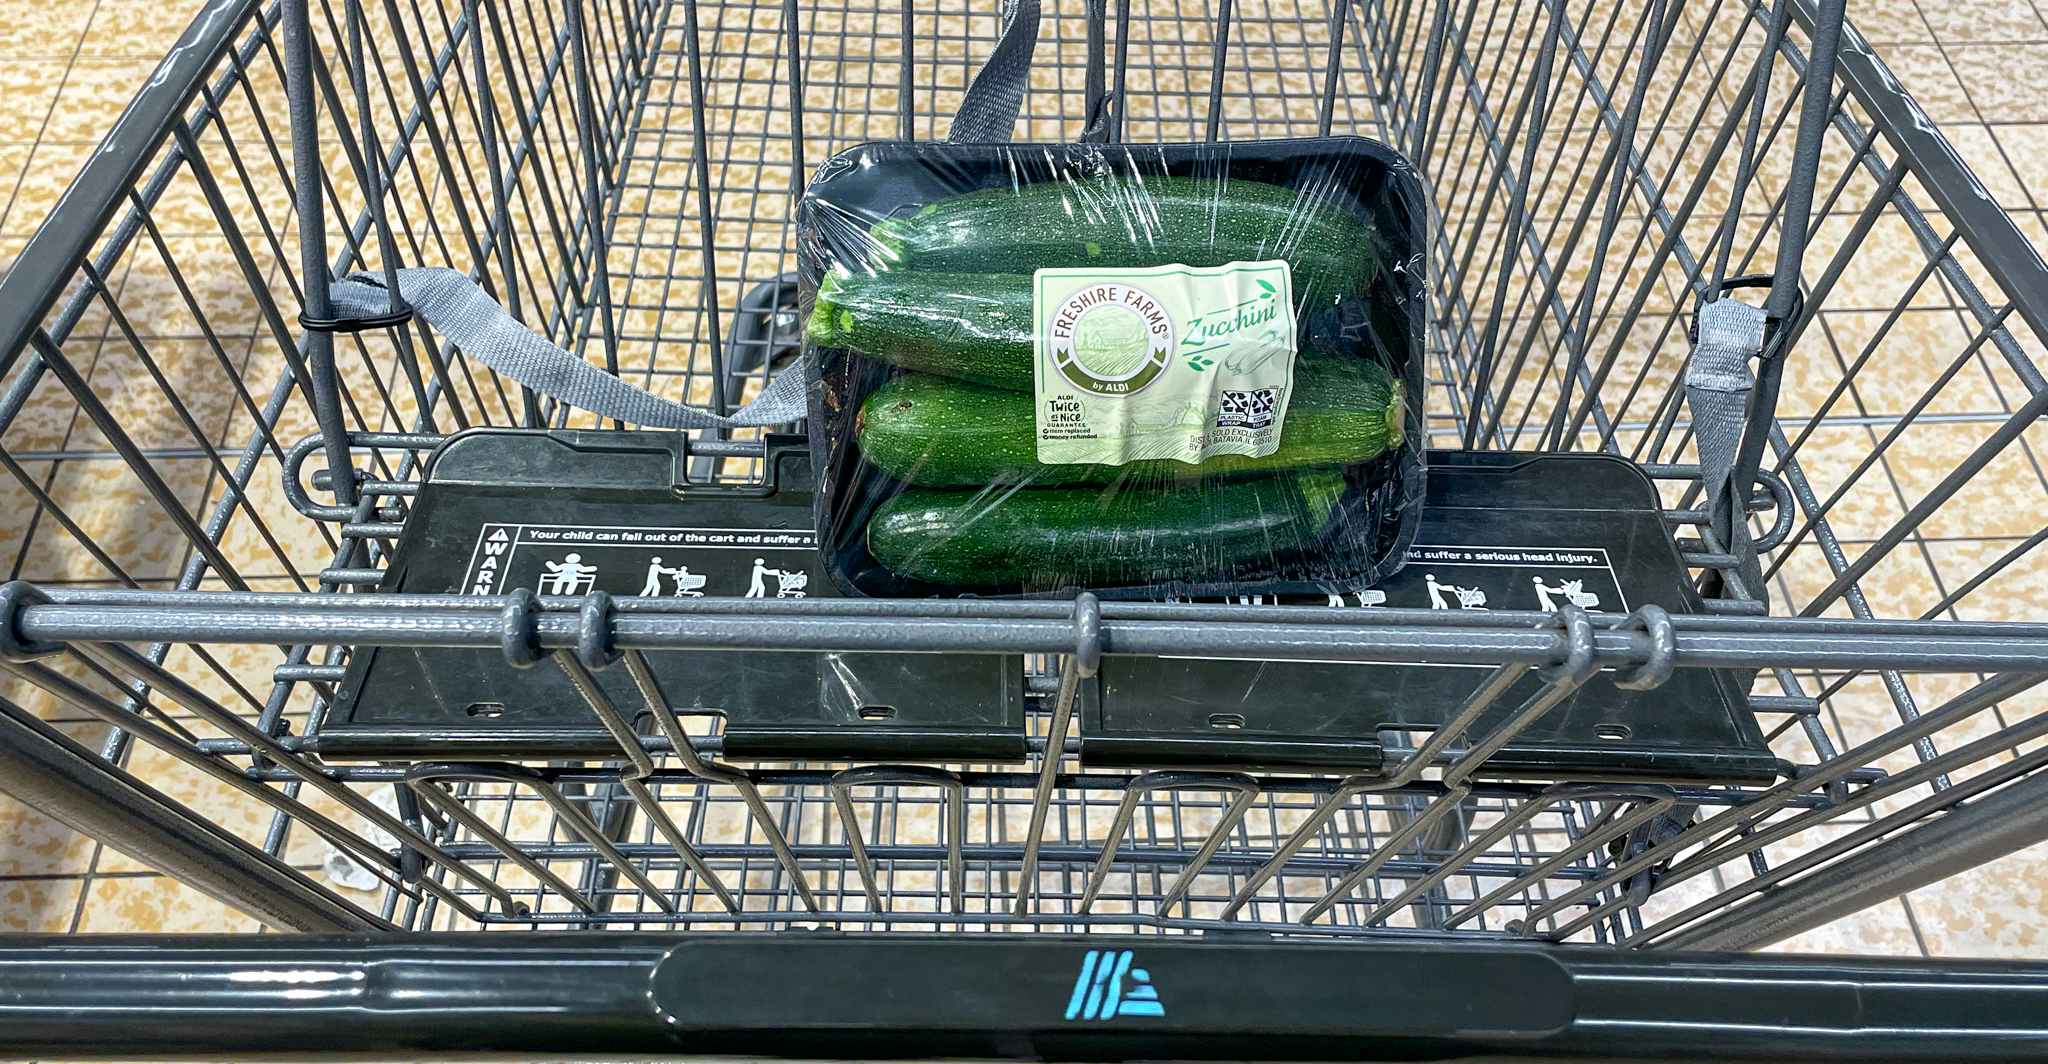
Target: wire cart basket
{"points": [[621, 175]]}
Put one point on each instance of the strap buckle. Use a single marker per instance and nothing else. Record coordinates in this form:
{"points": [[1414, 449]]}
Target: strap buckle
{"points": [[400, 314], [1771, 350], [388, 320]]}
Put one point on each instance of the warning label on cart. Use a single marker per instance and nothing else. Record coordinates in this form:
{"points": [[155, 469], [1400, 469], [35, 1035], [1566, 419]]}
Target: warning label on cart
{"points": [[1458, 577], [637, 560], [1568, 557], [1509, 578], [1483, 578]]}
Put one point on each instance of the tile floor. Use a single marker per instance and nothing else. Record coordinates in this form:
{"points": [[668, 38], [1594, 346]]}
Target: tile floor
{"points": [[1975, 65]]}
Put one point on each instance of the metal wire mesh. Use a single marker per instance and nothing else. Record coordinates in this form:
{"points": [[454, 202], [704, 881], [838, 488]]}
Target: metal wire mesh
{"points": [[621, 175]]}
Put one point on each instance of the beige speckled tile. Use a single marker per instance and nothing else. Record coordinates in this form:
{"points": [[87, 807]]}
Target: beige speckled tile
{"points": [[1886, 263], [1897, 373], [1863, 712], [212, 279], [49, 417], [1891, 24], [249, 666], [2006, 498], [1993, 910], [136, 383], [2026, 147], [1964, 21], [38, 905], [19, 504], [156, 903], [114, 508], [267, 510], [1935, 87], [43, 179], [2019, 593], [2004, 79], [1980, 147], [21, 692], [33, 29], [2035, 228], [36, 45], [33, 844], [134, 29], [1830, 458], [14, 172], [32, 87], [1995, 725], [1899, 585], [95, 92]]}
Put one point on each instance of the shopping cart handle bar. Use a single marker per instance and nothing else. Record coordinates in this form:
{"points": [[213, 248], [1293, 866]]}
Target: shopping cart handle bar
{"points": [[819, 995], [918, 626]]}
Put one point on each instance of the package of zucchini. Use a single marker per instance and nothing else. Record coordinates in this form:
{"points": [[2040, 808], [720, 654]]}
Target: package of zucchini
{"points": [[1158, 371]]}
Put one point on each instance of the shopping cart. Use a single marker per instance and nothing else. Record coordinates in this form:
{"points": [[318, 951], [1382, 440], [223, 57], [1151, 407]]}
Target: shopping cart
{"points": [[213, 466]]}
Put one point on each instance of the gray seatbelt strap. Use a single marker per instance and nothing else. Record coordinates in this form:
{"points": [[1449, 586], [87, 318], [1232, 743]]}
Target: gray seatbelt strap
{"points": [[1717, 387], [474, 322], [988, 113]]}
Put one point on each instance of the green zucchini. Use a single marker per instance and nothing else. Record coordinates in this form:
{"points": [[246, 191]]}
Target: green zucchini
{"points": [[973, 327], [935, 432], [1102, 537], [1119, 220], [953, 295]]}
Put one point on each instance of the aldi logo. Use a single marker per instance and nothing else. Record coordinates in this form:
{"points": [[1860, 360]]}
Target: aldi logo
{"points": [[1108, 987]]}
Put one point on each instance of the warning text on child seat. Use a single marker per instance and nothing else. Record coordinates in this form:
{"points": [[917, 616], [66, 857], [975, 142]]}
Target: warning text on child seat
{"points": [[1510, 556], [681, 537]]}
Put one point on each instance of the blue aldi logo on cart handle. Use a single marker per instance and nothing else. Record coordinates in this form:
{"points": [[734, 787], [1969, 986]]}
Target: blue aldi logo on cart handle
{"points": [[1109, 987]]}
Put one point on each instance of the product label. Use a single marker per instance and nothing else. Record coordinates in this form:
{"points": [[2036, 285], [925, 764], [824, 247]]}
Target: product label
{"points": [[1163, 362]]}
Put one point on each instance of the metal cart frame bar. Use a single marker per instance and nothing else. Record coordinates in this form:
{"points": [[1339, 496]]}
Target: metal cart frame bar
{"points": [[899, 996]]}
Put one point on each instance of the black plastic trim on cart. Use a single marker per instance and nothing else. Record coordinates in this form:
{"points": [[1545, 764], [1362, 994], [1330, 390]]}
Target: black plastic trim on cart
{"points": [[1516, 531], [508, 508], [1500, 530], [824, 995]]}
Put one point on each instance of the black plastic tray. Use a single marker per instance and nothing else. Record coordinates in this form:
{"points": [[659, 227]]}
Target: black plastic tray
{"points": [[1499, 524], [500, 506]]}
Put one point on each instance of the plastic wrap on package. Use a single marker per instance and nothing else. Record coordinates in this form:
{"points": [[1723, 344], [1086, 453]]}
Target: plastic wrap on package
{"points": [[1145, 371]]}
